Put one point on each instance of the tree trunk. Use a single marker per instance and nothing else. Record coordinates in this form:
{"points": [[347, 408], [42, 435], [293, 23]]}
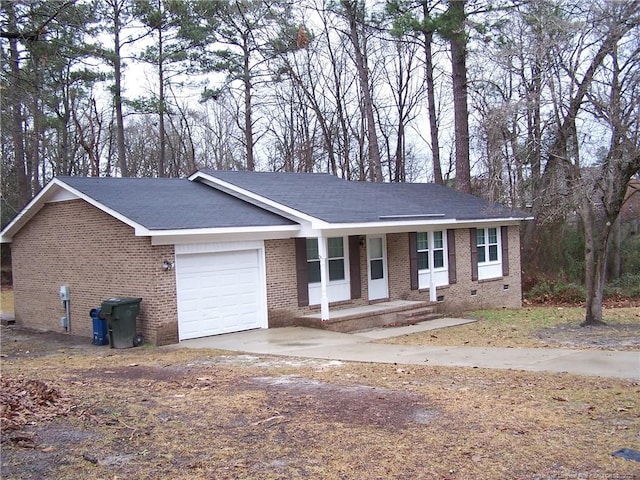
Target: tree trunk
{"points": [[37, 114], [17, 133], [248, 120], [431, 104], [117, 92], [375, 166], [163, 148], [596, 233], [458, 42]]}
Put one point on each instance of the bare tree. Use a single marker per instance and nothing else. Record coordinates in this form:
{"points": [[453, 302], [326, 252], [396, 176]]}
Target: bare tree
{"points": [[354, 13], [603, 72]]}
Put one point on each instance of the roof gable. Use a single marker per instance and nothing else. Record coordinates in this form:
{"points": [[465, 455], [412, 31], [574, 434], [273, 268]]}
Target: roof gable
{"points": [[173, 203], [153, 205]]}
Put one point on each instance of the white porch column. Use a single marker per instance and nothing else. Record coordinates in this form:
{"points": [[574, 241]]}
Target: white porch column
{"points": [[324, 277], [433, 296]]}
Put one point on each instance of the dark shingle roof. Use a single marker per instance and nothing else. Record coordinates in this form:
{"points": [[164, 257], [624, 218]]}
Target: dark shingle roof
{"points": [[172, 203], [334, 200]]}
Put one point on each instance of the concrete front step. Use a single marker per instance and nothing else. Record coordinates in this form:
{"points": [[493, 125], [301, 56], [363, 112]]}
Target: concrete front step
{"points": [[416, 315], [379, 315]]}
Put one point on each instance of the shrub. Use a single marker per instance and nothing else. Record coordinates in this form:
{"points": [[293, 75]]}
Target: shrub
{"points": [[556, 292], [627, 286]]}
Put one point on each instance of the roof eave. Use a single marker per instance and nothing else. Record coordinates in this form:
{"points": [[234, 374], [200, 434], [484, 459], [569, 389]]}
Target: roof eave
{"points": [[362, 228], [222, 234]]}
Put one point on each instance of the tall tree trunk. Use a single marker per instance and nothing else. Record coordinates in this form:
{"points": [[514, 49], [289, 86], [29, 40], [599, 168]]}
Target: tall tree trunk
{"points": [[117, 91], [458, 42], [248, 119], [431, 103], [14, 93], [375, 166], [401, 168], [37, 114], [163, 147]]}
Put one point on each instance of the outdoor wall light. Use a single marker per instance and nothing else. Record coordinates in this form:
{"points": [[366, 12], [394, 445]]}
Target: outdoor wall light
{"points": [[362, 240], [167, 265]]}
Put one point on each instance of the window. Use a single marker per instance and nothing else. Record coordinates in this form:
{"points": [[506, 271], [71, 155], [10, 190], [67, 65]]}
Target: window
{"points": [[376, 258], [336, 258], [423, 249], [438, 250], [335, 247], [487, 241], [313, 261]]}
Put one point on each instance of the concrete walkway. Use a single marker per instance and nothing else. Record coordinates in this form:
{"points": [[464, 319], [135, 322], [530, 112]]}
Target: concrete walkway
{"points": [[323, 344]]}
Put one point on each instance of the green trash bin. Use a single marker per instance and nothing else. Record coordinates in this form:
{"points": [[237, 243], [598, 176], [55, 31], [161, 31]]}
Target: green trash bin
{"points": [[121, 314]]}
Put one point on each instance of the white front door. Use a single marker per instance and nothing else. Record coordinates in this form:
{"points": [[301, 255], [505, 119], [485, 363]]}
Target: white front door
{"points": [[377, 267]]}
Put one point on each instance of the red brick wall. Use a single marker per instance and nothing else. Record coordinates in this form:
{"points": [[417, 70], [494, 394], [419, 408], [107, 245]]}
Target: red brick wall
{"points": [[281, 279], [489, 293], [73, 243], [457, 297], [282, 293]]}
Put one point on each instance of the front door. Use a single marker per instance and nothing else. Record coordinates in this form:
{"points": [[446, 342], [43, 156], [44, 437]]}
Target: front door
{"points": [[377, 267]]}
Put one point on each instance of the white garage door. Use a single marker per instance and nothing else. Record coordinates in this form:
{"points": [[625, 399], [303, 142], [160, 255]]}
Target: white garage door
{"points": [[219, 293]]}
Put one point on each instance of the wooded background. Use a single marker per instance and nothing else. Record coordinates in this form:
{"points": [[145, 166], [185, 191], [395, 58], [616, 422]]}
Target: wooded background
{"points": [[531, 103]]}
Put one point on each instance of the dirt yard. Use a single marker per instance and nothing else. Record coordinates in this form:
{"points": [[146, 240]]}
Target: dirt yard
{"points": [[72, 410]]}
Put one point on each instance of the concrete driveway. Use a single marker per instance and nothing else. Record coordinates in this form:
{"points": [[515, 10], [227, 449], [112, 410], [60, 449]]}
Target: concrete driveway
{"points": [[323, 344]]}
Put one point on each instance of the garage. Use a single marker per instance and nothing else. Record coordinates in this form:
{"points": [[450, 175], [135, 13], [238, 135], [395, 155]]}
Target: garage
{"points": [[220, 292]]}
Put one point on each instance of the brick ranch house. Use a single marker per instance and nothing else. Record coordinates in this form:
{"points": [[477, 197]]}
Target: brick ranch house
{"points": [[223, 252]]}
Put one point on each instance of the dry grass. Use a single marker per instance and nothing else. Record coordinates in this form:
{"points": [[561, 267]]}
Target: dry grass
{"points": [[6, 300], [537, 327], [202, 414]]}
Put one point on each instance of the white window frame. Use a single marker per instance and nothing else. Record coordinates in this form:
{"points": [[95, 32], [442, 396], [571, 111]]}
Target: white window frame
{"points": [[489, 268], [337, 290], [440, 274]]}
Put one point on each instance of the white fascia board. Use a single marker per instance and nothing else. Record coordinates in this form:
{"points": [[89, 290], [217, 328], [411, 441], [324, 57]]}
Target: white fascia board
{"points": [[491, 222], [228, 234], [255, 199], [373, 228]]}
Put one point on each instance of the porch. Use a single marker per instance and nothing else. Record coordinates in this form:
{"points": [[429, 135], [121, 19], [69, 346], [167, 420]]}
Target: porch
{"points": [[384, 314]]}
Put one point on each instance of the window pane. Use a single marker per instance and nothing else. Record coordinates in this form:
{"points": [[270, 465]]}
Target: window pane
{"points": [[335, 247], [480, 236], [336, 269], [312, 249], [437, 240], [493, 235], [375, 247], [377, 269], [423, 260], [438, 258], [423, 241], [481, 254], [493, 253], [313, 272]]}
